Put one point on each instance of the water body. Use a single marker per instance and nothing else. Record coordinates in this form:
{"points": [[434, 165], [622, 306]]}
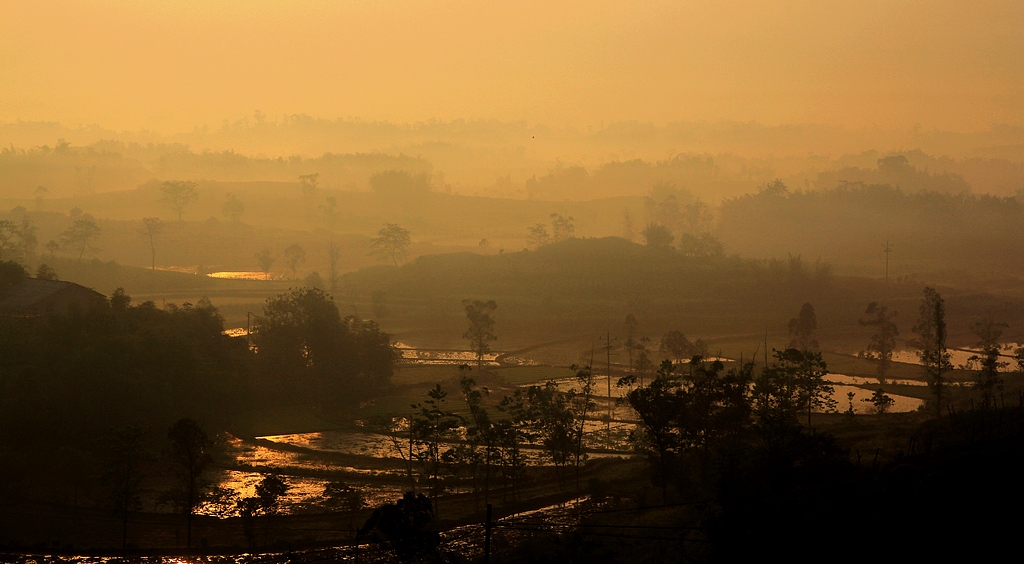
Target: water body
{"points": [[862, 400], [411, 355], [961, 357], [242, 275]]}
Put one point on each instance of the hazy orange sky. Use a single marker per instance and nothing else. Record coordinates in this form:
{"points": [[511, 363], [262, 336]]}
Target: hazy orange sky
{"points": [[172, 65]]}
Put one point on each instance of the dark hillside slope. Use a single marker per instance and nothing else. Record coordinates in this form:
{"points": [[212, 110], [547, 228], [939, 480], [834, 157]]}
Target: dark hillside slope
{"points": [[588, 286]]}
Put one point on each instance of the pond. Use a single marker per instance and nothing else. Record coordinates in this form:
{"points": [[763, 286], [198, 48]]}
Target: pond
{"points": [[862, 400], [381, 479], [413, 355], [960, 357], [243, 275], [306, 473]]}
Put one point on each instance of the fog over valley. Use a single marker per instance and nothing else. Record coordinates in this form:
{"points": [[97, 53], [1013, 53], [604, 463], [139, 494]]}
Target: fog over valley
{"points": [[460, 282]]}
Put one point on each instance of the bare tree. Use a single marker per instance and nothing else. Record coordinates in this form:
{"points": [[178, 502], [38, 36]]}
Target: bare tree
{"points": [[151, 227]]}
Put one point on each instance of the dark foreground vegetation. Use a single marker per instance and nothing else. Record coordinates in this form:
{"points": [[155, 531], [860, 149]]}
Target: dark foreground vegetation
{"points": [[115, 414]]}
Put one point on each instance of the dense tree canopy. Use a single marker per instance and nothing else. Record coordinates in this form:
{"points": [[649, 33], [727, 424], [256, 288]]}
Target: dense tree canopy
{"points": [[77, 375], [305, 346]]}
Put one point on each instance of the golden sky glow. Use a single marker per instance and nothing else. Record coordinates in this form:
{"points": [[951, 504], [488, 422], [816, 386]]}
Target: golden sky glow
{"points": [[173, 65]]}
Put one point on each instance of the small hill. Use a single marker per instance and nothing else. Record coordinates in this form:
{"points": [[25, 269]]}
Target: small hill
{"points": [[587, 287]]}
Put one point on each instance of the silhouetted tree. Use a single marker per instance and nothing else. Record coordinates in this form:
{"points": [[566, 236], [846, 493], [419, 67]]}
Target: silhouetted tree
{"points": [[702, 245], [313, 280], [78, 238], [399, 431], [988, 380], [380, 304], [333, 256], [644, 365], [931, 342], [27, 239], [310, 350], [123, 475], [630, 343], [392, 242], [400, 184], [881, 402], [628, 228], [329, 211], [808, 371], [513, 431], [657, 237], [295, 257], [8, 230], [45, 272], [803, 329], [190, 455], [683, 414], [179, 194], [883, 340], [266, 501], [658, 405], [562, 228], [680, 348], [11, 274], [555, 423], [266, 260], [481, 434], [775, 188], [537, 236], [40, 193], [233, 208], [340, 496], [401, 528], [715, 405], [1018, 359], [151, 227], [481, 327], [581, 404], [432, 427]]}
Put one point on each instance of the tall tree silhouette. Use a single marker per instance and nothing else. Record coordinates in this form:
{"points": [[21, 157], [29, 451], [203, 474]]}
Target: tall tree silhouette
{"points": [[481, 327], [190, 455], [931, 342], [392, 241], [179, 194], [803, 329], [883, 340]]}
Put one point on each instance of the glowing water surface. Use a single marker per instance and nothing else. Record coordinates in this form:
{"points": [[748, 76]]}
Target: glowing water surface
{"points": [[960, 357], [442, 356], [243, 275]]}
